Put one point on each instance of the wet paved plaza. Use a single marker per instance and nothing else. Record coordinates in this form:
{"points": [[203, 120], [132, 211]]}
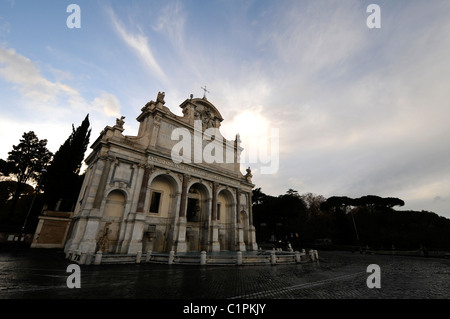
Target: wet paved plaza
{"points": [[42, 274]]}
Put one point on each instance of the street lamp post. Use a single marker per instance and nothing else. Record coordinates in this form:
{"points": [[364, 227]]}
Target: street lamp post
{"points": [[32, 203]]}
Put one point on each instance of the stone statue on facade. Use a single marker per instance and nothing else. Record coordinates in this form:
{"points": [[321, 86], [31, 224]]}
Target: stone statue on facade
{"points": [[120, 122], [160, 97], [206, 116], [249, 175], [103, 241]]}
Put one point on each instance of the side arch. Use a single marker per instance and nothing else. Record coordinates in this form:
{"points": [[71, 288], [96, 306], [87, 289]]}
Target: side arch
{"points": [[161, 208], [112, 220]]}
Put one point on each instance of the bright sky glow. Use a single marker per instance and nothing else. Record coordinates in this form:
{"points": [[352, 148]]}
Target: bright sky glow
{"points": [[359, 111]]}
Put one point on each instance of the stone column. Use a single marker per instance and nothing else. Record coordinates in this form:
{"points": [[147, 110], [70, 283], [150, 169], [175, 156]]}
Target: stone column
{"points": [[85, 231], [102, 184], [238, 206], [184, 190], [143, 191], [214, 201], [206, 226], [251, 229], [174, 221], [250, 210], [239, 225], [134, 224], [181, 240], [79, 223], [214, 242]]}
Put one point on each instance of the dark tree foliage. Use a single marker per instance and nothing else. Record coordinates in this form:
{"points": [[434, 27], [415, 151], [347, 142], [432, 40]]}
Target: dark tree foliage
{"points": [[63, 180], [25, 163], [348, 228], [337, 204], [369, 220], [6, 168], [281, 216], [7, 191], [28, 158], [385, 227], [8, 188], [257, 196], [377, 201]]}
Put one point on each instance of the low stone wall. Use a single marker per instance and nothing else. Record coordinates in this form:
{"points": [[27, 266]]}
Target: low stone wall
{"points": [[52, 229], [198, 258]]}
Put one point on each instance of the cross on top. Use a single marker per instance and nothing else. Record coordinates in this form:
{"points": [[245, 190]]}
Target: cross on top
{"points": [[205, 90]]}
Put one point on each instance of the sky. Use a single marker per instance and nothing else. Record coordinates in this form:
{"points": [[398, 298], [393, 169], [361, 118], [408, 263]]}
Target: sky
{"points": [[358, 110]]}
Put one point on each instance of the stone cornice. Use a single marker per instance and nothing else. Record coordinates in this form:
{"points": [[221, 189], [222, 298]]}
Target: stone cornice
{"points": [[196, 171]]}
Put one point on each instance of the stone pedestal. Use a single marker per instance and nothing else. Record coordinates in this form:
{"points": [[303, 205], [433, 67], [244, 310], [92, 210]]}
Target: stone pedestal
{"points": [[252, 236], [273, 258], [203, 258], [239, 258], [138, 257], [241, 243], [312, 255], [98, 258], [148, 256], [180, 245], [171, 257], [215, 244], [82, 260], [297, 257]]}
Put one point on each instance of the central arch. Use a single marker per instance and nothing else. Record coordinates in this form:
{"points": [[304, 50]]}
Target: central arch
{"points": [[226, 215], [197, 217]]}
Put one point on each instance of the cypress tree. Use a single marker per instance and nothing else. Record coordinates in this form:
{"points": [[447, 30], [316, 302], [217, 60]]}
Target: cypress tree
{"points": [[63, 180]]}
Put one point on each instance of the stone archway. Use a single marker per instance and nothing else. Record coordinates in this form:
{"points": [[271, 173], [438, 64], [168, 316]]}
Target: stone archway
{"points": [[161, 210], [226, 215], [197, 217]]}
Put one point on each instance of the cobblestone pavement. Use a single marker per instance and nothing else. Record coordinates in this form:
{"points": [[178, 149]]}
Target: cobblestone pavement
{"points": [[42, 274]]}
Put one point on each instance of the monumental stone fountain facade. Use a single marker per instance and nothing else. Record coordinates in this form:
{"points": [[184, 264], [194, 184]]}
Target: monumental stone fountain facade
{"points": [[175, 187]]}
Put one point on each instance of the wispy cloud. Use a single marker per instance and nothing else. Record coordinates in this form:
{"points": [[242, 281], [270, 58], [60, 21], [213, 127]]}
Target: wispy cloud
{"points": [[171, 21], [107, 103], [49, 106], [28, 80], [49, 95], [140, 45]]}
